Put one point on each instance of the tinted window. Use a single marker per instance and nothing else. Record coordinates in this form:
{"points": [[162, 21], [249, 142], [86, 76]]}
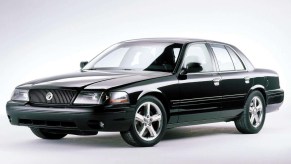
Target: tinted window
{"points": [[223, 58], [138, 56], [236, 60], [198, 53], [176, 53]]}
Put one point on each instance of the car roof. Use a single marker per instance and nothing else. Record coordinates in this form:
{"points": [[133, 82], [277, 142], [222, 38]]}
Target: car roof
{"points": [[174, 40]]}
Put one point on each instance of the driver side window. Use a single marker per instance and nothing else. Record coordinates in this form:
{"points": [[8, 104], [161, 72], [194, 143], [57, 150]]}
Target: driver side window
{"points": [[198, 59]]}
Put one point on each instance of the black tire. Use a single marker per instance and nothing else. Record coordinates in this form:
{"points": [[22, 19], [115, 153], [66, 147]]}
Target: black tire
{"points": [[246, 123], [146, 138], [44, 134]]}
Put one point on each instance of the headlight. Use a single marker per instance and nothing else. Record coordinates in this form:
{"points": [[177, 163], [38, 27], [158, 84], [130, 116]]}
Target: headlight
{"points": [[118, 98], [93, 97], [89, 97], [20, 95]]}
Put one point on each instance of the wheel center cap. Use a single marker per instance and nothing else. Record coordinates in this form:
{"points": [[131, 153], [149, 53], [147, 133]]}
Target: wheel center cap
{"points": [[147, 121]]}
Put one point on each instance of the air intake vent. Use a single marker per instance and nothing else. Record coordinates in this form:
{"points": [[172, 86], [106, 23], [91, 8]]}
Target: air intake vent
{"points": [[47, 123]]}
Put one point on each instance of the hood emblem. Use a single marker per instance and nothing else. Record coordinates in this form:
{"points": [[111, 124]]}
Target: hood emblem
{"points": [[49, 96]]}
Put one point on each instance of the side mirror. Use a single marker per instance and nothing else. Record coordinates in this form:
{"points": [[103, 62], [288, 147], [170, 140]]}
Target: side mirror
{"points": [[182, 75], [183, 71], [194, 67], [83, 64]]}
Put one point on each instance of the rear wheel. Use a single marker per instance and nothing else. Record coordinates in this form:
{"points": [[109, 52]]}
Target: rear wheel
{"points": [[45, 134], [252, 119], [149, 124]]}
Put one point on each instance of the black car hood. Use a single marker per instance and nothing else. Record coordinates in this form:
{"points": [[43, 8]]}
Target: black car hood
{"points": [[91, 79]]}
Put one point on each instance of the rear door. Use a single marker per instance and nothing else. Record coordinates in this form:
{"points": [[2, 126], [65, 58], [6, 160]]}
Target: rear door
{"points": [[235, 81]]}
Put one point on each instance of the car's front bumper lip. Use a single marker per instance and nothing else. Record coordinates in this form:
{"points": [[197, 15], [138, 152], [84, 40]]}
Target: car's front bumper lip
{"points": [[114, 118]]}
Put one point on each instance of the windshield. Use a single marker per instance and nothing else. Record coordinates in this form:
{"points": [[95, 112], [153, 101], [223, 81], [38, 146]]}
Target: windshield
{"points": [[138, 56]]}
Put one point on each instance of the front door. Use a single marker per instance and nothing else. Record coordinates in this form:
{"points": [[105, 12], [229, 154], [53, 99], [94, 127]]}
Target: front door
{"points": [[200, 88]]}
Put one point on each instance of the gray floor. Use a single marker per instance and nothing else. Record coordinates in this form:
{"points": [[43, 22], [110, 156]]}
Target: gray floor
{"points": [[215, 143]]}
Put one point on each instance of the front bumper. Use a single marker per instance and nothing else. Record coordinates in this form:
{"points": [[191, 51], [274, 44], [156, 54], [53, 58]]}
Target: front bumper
{"points": [[75, 119]]}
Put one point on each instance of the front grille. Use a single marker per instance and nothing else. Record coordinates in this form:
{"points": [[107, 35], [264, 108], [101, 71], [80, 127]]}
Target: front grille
{"points": [[58, 96]]}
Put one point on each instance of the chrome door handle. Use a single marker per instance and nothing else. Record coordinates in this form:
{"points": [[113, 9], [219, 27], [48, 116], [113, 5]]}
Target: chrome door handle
{"points": [[216, 81], [247, 80]]}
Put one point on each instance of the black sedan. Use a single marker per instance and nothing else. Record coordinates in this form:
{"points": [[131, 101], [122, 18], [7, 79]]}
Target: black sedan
{"points": [[142, 87]]}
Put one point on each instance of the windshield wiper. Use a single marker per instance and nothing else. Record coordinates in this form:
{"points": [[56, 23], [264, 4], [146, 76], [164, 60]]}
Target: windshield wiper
{"points": [[110, 68], [127, 69]]}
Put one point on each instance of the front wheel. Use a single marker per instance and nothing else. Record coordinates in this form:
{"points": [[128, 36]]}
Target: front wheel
{"points": [[44, 134], [149, 124], [252, 119]]}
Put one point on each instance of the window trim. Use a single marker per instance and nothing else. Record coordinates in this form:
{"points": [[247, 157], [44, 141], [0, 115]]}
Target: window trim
{"points": [[227, 46], [209, 52], [216, 61]]}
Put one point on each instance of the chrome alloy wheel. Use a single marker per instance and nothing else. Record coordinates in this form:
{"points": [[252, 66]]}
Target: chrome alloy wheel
{"points": [[148, 121], [256, 112]]}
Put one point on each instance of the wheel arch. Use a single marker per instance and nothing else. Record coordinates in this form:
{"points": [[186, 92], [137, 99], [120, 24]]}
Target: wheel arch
{"points": [[159, 95], [259, 88]]}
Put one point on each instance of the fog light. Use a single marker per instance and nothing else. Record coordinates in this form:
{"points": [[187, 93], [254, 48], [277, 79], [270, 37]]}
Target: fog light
{"points": [[101, 124]]}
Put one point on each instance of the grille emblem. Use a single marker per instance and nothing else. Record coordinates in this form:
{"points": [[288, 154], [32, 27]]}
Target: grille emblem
{"points": [[49, 96]]}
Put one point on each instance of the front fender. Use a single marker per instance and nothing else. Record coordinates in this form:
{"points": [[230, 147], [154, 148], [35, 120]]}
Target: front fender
{"points": [[149, 92]]}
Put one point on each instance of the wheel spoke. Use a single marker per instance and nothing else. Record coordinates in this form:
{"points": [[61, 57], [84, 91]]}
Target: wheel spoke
{"points": [[139, 117], [255, 102], [152, 131], [141, 133], [148, 108], [259, 107], [251, 109], [156, 117], [257, 118], [252, 119]]}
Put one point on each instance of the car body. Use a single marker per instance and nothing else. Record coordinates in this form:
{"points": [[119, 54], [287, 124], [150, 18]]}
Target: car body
{"points": [[190, 81]]}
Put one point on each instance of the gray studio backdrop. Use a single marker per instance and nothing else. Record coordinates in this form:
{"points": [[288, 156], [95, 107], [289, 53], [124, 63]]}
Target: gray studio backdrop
{"points": [[44, 38]]}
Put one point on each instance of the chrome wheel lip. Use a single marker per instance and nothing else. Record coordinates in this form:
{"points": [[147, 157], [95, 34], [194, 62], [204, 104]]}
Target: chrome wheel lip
{"points": [[143, 123], [256, 112]]}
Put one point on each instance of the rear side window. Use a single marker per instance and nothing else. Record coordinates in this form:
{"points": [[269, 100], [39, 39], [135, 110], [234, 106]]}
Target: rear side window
{"points": [[236, 60], [223, 58]]}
